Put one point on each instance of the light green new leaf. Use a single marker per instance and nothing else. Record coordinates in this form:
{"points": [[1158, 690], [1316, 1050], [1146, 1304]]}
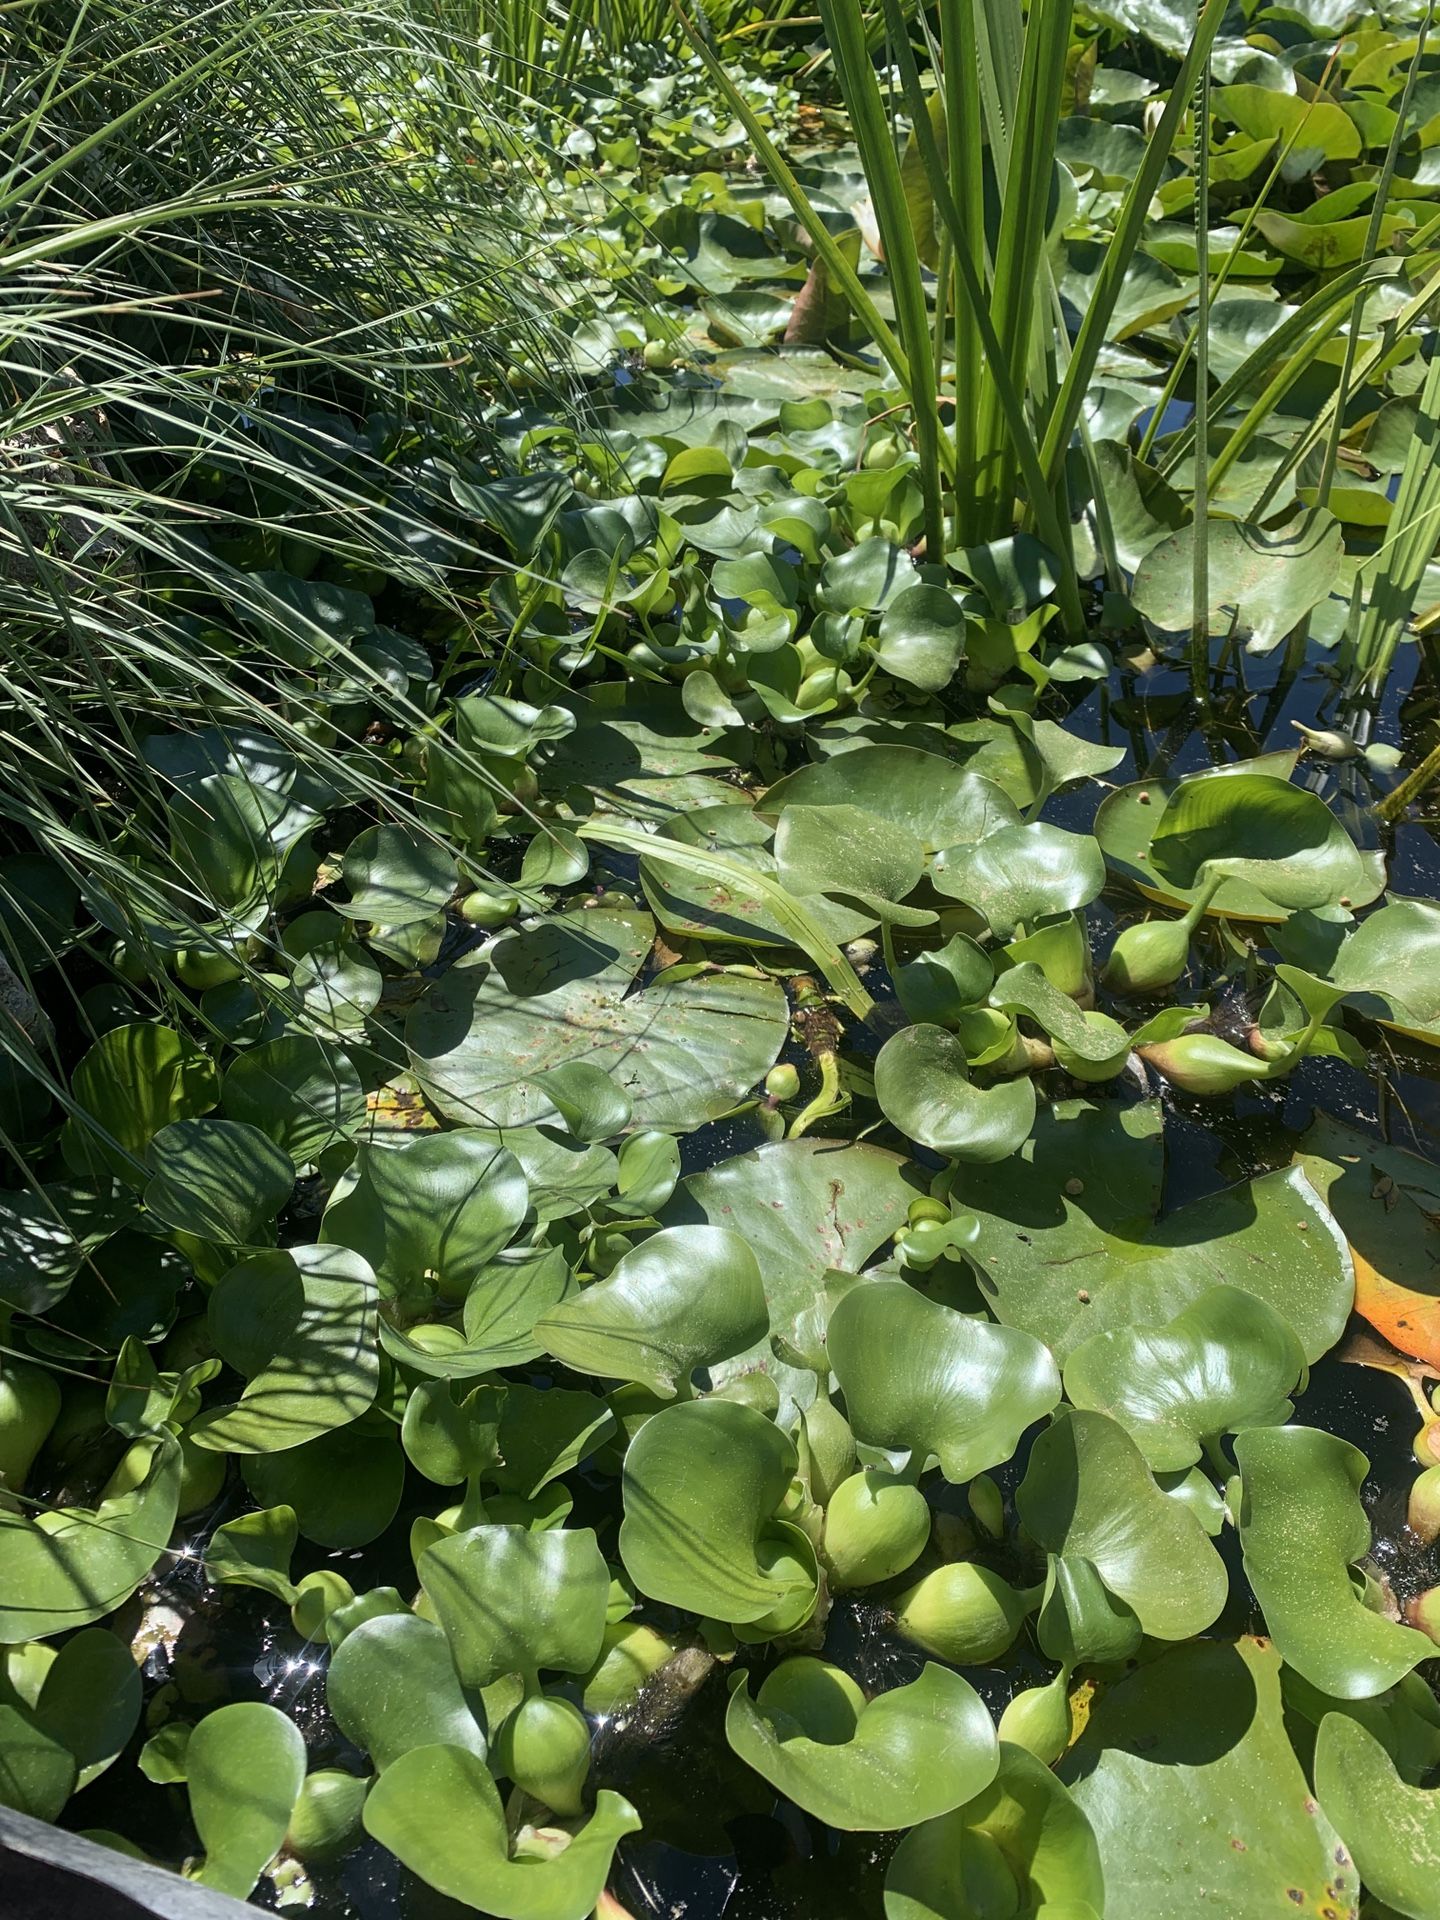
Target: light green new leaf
{"points": [[1301, 1527], [244, 1768], [864, 1766], [254, 1550], [1391, 1829], [90, 1699], [392, 1687], [684, 1297], [1080, 1622], [438, 1810], [919, 1376], [1087, 1491], [511, 1601]]}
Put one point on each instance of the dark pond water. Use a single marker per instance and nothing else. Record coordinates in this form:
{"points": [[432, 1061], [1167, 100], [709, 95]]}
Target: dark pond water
{"points": [[715, 1841]]}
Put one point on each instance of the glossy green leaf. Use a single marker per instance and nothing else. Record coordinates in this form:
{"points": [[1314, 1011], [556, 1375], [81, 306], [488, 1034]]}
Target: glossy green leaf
{"points": [[858, 1765], [37, 1769], [1266, 833], [299, 1091], [1088, 1492], [438, 1811], [922, 637], [917, 1375], [449, 1436], [702, 1481], [254, 1550], [1301, 1527], [1022, 1832], [684, 1297], [244, 1768], [392, 1687], [344, 1485], [1391, 1829], [923, 1084], [301, 1324], [90, 1699], [218, 1179], [1080, 1622], [1225, 1362], [396, 876], [511, 1601], [1018, 874], [1271, 579], [506, 1299], [133, 1081]]}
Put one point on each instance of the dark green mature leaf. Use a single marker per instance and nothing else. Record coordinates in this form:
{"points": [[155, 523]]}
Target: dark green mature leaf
{"points": [[684, 1049], [702, 1480], [1080, 1621], [858, 1765], [90, 1699], [396, 876], [438, 1811], [135, 1080], [923, 1085], [922, 637], [1186, 1774], [1271, 579], [1024, 1830], [511, 1601], [917, 1375], [300, 1091], [1391, 1829], [684, 1297], [218, 1179], [1088, 1492], [37, 1770], [1225, 1362], [344, 1485], [392, 1687], [1017, 874], [1266, 833], [1301, 1526]]}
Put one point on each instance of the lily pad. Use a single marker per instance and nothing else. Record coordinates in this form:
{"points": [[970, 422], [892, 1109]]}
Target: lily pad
{"points": [[923, 794], [684, 1049]]}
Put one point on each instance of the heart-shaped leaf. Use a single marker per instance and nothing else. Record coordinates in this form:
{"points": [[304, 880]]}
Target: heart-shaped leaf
{"points": [[1088, 1492], [1263, 832], [437, 1809], [686, 1296], [511, 1601], [924, 795], [864, 1766], [922, 637], [1301, 1527], [1080, 1622], [923, 1084], [1225, 1362], [917, 1375], [392, 1687], [244, 1768]]}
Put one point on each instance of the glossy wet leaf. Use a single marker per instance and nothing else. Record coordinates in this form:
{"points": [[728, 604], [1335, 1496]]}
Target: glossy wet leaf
{"points": [[1209, 1797], [1018, 874], [1391, 1829], [434, 1205], [1272, 579], [244, 1767], [511, 1601], [301, 1092], [923, 1085], [255, 1550], [396, 876], [1080, 1622], [918, 1376], [1301, 1527], [437, 1809], [1225, 1362], [928, 797], [218, 1179], [1023, 1825], [702, 1480], [684, 1297], [864, 1766], [805, 1208], [392, 1686], [506, 1299], [1266, 833], [301, 1324], [682, 1049], [1087, 1491]]}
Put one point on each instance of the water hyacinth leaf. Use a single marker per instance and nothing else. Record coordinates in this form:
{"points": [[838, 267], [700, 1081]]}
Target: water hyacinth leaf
{"points": [[564, 1175], [919, 1376], [313, 1333], [40, 1253], [505, 1300], [1211, 1796], [683, 1049], [1271, 579], [846, 850], [868, 576], [1389, 967], [132, 1082], [74, 1565], [935, 988], [806, 1208], [544, 1432], [1080, 1622], [923, 1085], [1025, 989], [511, 1601], [392, 1687], [439, 1205], [255, 1550], [37, 1770], [301, 1092], [451, 1438], [244, 1768], [1391, 1829], [1088, 1492], [684, 1297], [1069, 1247], [926, 796], [864, 1766], [1267, 833], [1019, 874], [344, 1485], [1225, 1362], [702, 1481], [90, 1700], [1027, 1818], [588, 1100], [1301, 1527], [647, 1172], [438, 1810], [396, 876], [217, 1179], [922, 637], [554, 858]]}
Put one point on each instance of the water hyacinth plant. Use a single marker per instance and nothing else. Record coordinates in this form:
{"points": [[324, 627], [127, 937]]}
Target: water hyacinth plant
{"points": [[721, 1166]]}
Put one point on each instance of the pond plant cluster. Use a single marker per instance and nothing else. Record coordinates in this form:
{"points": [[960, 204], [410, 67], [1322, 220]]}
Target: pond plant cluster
{"points": [[594, 1006]]}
